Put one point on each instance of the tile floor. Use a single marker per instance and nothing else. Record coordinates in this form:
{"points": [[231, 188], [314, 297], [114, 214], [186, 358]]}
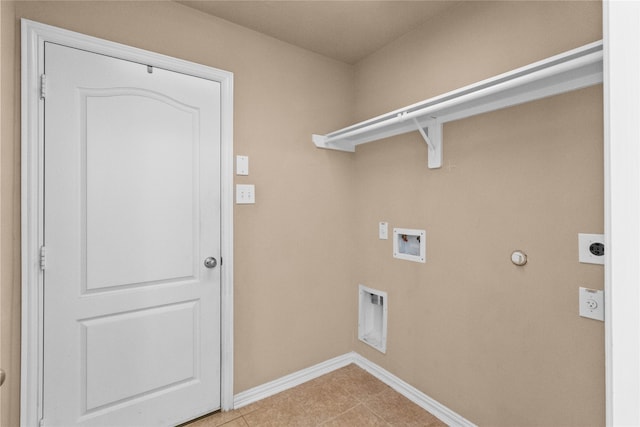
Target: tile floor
{"points": [[348, 397]]}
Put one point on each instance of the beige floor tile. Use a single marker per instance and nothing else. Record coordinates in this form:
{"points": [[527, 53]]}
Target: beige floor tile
{"points": [[282, 412], [397, 410], [362, 384], [348, 397], [251, 407], [216, 419], [308, 404], [323, 402], [357, 416], [238, 422]]}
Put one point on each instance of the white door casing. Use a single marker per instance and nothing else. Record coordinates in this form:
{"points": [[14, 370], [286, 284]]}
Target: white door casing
{"points": [[622, 211], [159, 314]]}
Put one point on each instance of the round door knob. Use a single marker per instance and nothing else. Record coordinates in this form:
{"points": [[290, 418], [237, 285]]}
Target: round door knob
{"points": [[210, 262]]}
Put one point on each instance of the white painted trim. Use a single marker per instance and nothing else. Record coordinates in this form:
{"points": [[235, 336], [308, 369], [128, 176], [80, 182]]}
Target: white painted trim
{"points": [[289, 381], [622, 210], [226, 242], [292, 380], [608, 405], [31, 229], [34, 35]]}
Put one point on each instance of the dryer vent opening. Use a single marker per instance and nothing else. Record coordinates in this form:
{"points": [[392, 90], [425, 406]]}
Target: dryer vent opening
{"points": [[372, 317]]}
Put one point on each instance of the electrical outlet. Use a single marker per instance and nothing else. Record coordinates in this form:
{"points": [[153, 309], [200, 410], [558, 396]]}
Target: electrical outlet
{"points": [[591, 248], [245, 194], [591, 303]]}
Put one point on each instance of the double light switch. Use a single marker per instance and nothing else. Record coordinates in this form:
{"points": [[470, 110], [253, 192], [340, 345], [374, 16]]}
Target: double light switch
{"points": [[245, 193]]}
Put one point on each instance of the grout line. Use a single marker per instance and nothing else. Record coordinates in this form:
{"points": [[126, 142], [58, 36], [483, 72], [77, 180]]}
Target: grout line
{"points": [[352, 408], [376, 414], [339, 415], [360, 398]]}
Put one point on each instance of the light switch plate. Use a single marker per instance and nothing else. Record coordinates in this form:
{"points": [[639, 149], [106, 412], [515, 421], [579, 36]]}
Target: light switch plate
{"points": [[383, 231], [245, 194], [242, 165], [591, 303], [591, 248]]}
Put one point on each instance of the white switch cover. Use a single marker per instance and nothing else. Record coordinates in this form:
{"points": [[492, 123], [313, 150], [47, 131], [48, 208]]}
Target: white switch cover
{"points": [[383, 231], [245, 194], [591, 303], [242, 165], [591, 248]]}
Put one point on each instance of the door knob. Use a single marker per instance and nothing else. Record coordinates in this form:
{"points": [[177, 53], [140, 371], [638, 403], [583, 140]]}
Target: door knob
{"points": [[2, 376], [210, 262]]}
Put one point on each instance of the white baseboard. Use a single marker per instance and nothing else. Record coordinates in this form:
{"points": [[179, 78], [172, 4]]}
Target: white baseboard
{"points": [[260, 392], [443, 413], [288, 381]]}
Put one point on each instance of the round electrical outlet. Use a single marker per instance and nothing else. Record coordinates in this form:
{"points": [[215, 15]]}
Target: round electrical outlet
{"points": [[597, 249]]}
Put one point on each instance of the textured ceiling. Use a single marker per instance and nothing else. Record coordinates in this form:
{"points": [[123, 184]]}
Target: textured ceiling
{"points": [[342, 29]]}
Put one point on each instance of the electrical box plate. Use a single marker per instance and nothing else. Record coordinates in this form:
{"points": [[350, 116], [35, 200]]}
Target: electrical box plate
{"points": [[591, 248], [242, 165], [245, 194], [383, 231], [591, 303]]}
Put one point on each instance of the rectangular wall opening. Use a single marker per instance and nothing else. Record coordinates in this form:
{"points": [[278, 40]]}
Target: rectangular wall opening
{"points": [[409, 244], [372, 320]]}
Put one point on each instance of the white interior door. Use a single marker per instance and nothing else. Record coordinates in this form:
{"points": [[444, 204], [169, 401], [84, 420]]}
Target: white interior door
{"points": [[132, 210]]}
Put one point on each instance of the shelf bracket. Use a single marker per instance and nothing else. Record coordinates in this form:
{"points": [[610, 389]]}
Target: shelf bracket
{"points": [[432, 135], [320, 141]]}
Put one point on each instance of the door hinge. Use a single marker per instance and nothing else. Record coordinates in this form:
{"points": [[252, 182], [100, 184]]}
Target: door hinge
{"points": [[41, 422], [43, 86], [221, 261], [43, 258]]}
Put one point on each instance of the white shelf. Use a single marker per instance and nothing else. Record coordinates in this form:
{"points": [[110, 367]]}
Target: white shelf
{"points": [[575, 69]]}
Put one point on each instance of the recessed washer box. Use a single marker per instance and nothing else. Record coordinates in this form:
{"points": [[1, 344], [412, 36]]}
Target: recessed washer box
{"points": [[410, 244]]}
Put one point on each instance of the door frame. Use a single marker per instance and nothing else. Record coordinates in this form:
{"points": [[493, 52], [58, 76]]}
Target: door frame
{"points": [[622, 209], [34, 36]]}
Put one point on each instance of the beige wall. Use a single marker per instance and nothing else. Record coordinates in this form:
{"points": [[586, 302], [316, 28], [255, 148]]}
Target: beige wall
{"points": [[291, 247], [499, 344], [9, 225]]}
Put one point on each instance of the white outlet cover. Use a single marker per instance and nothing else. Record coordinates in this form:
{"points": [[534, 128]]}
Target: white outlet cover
{"points": [[585, 242], [591, 303], [383, 231]]}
